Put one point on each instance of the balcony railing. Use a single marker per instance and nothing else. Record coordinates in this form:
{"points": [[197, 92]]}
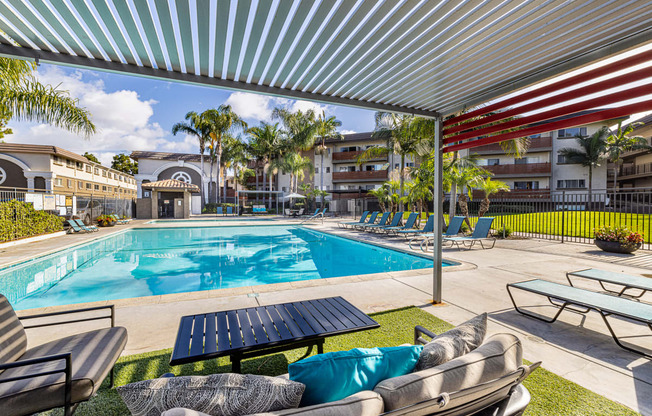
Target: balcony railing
{"points": [[360, 175], [535, 144], [519, 169], [353, 156], [515, 194], [636, 170]]}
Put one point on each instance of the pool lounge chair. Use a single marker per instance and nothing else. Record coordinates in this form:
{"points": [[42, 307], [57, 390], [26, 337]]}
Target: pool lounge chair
{"points": [[452, 230], [363, 217], [118, 219], [582, 301], [428, 228], [409, 224], [626, 281], [480, 233], [314, 213], [323, 213], [75, 228], [60, 373], [229, 211], [372, 220], [218, 211], [382, 222], [86, 227], [396, 220]]}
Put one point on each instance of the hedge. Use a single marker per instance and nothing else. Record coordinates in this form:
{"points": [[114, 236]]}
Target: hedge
{"points": [[20, 220]]}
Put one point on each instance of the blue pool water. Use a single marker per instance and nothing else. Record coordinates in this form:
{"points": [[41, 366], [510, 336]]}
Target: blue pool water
{"points": [[157, 261], [210, 219]]}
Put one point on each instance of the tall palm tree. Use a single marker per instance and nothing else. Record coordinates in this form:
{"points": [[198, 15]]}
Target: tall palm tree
{"points": [[404, 135], [222, 121], [265, 141], [592, 152], [22, 97], [233, 156], [619, 142], [382, 195], [326, 129], [198, 127], [489, 187], [465, 177], [457, 171]]}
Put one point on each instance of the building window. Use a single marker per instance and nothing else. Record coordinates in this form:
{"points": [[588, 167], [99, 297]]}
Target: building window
{"points": [[316, 170], [347, 168], [69, 183], [104, 173], [80, 166], [89, 169], [328, 187], [80, 185], [285, 189], [525, 185], [397, 165], [571, 184], [348, 149], [562, 159], [3, 176], [182, 176], [97, 187], [88, 186], [58, 182], [70, 163], [328, 169], [104, 188], [96, 171], [493, 162], [409, 165], [568, 133]]}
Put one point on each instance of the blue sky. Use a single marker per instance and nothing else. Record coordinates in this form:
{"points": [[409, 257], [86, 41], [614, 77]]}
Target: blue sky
{"points": [[134, 113]]}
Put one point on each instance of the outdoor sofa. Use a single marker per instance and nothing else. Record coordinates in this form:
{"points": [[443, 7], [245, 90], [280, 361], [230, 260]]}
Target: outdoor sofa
{"points": [[59, 373], [485, 381]]}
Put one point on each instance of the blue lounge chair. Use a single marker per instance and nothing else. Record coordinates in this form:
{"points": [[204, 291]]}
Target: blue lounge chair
{"points": [[75, 228], [314, 213], [383, 221], [348, 224], [218, 211], [229, 210], [480, 233], [452, 230], [86, 227], [323, 213], [409, 224], [372, 220], [428, 228], [396, 220]]}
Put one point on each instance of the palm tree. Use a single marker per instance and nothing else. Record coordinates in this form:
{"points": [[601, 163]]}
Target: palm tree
{"points": [[264, 143], [404, 134], [592, 152], [457, 171], [233, 156], [222, 121], [489, 187], [196, 126], [326, 129], [22, 97], [465, 178], [621, 142], [297, 165], [382, 194]]}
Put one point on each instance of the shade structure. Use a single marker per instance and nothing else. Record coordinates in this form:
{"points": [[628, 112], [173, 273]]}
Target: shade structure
{"points": [[420, 57], [294, 195]]}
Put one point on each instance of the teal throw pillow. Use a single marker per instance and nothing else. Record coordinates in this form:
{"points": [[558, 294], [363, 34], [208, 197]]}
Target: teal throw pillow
{"points": [[336, 375]]}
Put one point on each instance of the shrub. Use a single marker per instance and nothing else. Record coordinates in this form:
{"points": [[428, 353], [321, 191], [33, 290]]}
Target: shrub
{"points": [[623, 235], [503, 232], [20, 220]]}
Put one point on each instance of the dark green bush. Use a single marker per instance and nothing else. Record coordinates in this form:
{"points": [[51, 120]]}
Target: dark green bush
{"points": [[20, 220], [503, 232]]}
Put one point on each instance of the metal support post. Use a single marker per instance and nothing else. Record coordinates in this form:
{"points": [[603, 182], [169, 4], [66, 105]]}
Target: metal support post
{"points": [[439, 211]]}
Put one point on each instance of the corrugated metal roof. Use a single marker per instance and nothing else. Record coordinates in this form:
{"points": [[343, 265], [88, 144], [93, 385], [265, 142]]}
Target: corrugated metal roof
{"points": [[171, 184], [422, 57], [187, 157]]}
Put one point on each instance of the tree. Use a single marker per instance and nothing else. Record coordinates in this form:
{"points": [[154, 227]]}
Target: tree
{"points": [[198, 127], [489, 187], [326, 129], [91, 157], [465, 176], [264, 144], [619, 142], [22, 97], [592, 152], [125, 164], [382, 195]]}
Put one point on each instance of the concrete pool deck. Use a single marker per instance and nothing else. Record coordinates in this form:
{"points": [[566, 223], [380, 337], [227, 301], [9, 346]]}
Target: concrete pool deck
{"points": [[577, 347]]}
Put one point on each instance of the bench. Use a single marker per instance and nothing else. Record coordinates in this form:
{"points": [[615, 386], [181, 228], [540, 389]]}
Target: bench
{"points": [[568, 297], [627, 281]]}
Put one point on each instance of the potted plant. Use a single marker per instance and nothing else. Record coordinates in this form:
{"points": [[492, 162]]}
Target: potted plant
{"points": [[105, 221], [617, 239]]}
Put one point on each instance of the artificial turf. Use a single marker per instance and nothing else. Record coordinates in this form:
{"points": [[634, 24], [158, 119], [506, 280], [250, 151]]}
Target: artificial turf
{"points": [[551, 394]]}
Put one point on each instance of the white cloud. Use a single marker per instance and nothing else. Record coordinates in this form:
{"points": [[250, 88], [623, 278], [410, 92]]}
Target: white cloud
{"points": [[122, 118], [347, 131], [257, 107]]}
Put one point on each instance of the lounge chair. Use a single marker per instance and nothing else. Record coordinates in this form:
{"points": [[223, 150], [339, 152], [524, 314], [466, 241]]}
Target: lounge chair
{"points": [[59, 373], [314, 213], [428, 228], [323, 213], [452, 230], [626, 281], [480, 233], [409, 224], [118, 219], [75, 228], [396, 220], [300, 213], [582, 301], [218, 211], [363, 217], [229, 210], [85, 227], [382, 222], [372, 220]]}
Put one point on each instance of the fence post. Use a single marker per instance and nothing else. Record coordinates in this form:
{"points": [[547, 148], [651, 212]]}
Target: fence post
{"points": [[563, 215]]}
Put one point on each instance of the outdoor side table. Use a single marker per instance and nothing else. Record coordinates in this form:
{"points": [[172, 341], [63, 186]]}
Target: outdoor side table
{"points": [[252, 332]]}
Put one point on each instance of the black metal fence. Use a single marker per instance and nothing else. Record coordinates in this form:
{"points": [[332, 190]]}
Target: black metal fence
{"points": [[568, 216]]}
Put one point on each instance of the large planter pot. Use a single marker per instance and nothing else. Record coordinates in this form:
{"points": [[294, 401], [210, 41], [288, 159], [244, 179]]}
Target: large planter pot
{"points": [[106, 223], [616, 247]]}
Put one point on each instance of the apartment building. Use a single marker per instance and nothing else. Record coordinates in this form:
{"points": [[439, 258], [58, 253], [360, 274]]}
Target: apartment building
{"points": [[50, 168], [543, 167], [636, 168]]}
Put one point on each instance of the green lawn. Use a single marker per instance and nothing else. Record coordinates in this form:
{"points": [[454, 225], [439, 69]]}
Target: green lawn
{"points": [[575, 223], [551, 394]]}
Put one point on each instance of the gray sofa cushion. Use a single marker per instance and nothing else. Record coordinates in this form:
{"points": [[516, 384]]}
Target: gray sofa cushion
{"points": [[454, 343], [365, 403], [499, 355], [93, 356], [217, 394], [13, 341]]}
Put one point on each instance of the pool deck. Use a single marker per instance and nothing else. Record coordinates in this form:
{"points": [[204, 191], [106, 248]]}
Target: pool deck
{"points": [[577, 347]]}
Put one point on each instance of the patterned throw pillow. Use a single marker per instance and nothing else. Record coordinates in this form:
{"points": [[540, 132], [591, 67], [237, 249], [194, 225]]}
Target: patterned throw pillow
{"points": [[216, 395], [454, 343]]}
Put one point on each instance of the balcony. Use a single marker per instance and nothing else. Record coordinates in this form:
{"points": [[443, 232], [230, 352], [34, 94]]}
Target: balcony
{"points": [[536, 145], [342, 157], [525, 169], [543, 193], [635, 171], [360, 176]]}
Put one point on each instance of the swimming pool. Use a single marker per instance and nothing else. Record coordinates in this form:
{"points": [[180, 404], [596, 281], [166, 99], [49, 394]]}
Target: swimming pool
{"points": [[157, 261], [210, 219]]}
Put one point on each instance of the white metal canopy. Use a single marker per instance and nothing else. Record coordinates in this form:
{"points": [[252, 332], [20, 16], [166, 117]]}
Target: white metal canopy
{"points": [[421, 57]]}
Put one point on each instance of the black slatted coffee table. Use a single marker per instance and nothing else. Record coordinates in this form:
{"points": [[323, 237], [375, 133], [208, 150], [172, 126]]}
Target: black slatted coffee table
{"points": [[252, 332]]}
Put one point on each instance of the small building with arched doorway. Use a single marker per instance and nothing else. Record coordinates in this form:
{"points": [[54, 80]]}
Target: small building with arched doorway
{"points": [[169, 198]]}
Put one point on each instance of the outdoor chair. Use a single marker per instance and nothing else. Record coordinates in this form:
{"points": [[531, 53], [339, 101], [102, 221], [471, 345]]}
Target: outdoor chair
{"points": [[75, 228], [452, 230], [59, 373], [409, 224], [300, 213], [396, 220], [219, 211], [428, 228], [118, 219], [287, 212], [372, 220], [480, 233], [626, 282], [229, 210], [383, 221], [363, 217], [323, 213], [85, 227]]}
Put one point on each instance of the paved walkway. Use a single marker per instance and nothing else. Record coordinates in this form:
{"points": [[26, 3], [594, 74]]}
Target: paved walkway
{"points": [[577, 347]]}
